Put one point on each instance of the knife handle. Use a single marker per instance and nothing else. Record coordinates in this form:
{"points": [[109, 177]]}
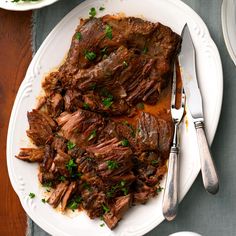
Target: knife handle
{"points": [[170, 198], [209, 174]]}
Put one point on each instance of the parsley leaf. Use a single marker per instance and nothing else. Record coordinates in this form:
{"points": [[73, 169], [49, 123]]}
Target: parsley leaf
{"points": [[73, 205], [92, 12], [101, 225], [78, 36], [124, 143], [70, 165], [105, 208], [107, 102], [92, 135], [108, 31], [112, 165], [43, 200], [159, 189], [154, 162], [85, 105], [125, 64], [32, 195], [70, 145], [140, 106], [62, 178], [145, 50], [101, 8], [90, 55]]}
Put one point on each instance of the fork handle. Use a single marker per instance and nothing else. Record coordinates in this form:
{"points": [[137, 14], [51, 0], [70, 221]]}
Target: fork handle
{"points": [[170, 198], [209, 174]]}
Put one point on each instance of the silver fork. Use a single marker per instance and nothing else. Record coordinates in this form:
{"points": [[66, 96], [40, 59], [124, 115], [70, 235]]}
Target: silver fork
{"points": [[170, 198]]}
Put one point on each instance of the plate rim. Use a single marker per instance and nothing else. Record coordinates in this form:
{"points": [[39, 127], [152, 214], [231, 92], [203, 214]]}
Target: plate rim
{"points": [[51, 229], [27, 6], [225, 29]]}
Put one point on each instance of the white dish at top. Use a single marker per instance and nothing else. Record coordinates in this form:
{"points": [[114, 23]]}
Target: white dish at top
{"points": [[24, 6], [228, 20], [139, 219]]}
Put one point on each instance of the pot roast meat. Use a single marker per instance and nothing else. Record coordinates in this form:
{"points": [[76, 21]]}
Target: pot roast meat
{"points": [[95, 147], [147, 135], [60, 161], [71, 189], [81, 127], [55, 105], [31, 154], [58, 194], [118, 209], [41, 127]]}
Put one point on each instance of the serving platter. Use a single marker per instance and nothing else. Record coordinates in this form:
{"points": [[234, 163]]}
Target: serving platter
{"points": [[228, 20], [139, 219], [25, 6]]}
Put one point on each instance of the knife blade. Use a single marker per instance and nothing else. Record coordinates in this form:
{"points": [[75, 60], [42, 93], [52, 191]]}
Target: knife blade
{"points": [[194, 102]]}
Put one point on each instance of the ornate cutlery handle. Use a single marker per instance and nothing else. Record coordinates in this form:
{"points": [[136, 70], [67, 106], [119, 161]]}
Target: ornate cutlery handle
{"points": [[209, 174], [170, 199]]}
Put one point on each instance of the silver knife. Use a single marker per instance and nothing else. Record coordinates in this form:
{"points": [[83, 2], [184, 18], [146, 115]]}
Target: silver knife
{"points": [[194, 102]]}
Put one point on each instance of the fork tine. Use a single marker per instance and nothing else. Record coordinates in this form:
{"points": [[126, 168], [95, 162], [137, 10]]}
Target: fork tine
{"points": [[173, 92]]}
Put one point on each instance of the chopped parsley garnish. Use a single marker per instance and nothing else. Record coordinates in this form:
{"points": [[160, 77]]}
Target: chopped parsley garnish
{"points": [[159, 189], [112, 165], [92, 12], [104, 51], [117, 187], [90, 55], [145, 50], [140, 106], [47, 184], [124, 143], [154, 162], [93, 86], [125, 191], [101, 8], [32, 195], [85, 105], [92, 135], [86, 186], [108, 31], [107, 102], [125, 64], [43, 200], [101, 225], [70, 145], [62, 178], [73, 205], [71, 165], [105, 208], [78, 36]]}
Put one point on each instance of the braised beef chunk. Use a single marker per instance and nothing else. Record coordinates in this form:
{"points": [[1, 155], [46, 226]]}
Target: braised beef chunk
{"points": [[31, 154], [55, 105], [72, 100], [101, 139], [93, 202], [58, 194], [121, 205], [71, 189], [60, 162], [147, 135], [41, 127], [81, 127]]}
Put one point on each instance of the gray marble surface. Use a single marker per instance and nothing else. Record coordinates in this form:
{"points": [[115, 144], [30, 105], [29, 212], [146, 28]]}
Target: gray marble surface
{"points": [[199, 211]]}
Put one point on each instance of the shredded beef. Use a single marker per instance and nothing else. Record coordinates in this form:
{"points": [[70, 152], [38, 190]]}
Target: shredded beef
{"points": [[96, 149]]}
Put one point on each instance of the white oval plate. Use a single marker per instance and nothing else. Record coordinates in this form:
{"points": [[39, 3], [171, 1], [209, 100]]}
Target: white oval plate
{"points": [[228, 20], [139, 219], [24, 6]]}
